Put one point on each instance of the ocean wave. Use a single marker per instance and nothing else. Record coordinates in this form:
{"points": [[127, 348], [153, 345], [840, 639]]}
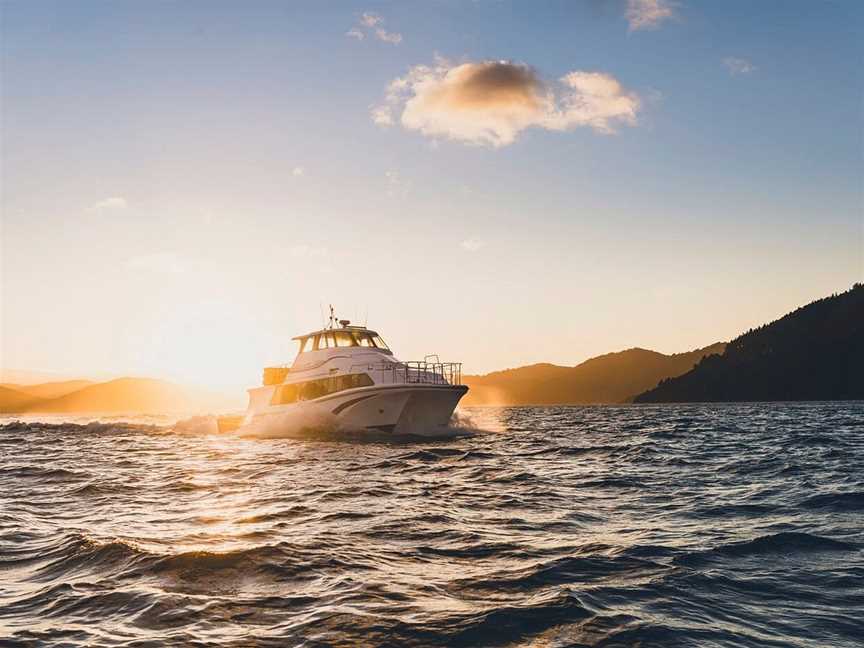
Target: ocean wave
{"points": [[838, 502], [511, 623], [583, 569], [79, 555], [567, 526], [277, 516], [43, 473], [431, 454], [786, 543]]}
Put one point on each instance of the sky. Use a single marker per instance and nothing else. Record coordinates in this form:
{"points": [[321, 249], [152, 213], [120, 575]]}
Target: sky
{"points": [[186, 184]]}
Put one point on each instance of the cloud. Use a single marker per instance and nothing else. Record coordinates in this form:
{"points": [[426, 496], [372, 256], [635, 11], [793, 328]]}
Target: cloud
{"points": [[110, 204], [649, 14], [471, 245], [370, 20], [373, 25], [396, 186], [388, 37], [298, 172], [491, 102], [382, 115], [738, 66]]}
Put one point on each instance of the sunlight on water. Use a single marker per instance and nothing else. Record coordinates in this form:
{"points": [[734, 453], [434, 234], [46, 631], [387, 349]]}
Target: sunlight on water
{"points": [[681, 525]]}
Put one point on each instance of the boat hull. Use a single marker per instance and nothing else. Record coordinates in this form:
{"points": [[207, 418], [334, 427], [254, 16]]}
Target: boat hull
{"points": [[420, 410]]}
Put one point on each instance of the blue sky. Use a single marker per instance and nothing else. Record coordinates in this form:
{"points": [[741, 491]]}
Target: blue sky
{"points": [[215, 167]]}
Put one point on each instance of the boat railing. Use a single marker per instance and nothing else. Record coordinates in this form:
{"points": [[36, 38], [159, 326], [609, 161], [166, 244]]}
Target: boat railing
{"points": [[415, 372]]}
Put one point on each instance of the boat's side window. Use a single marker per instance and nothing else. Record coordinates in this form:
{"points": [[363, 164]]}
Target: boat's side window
{"points": [[284, 395], [344, 339], [306, 344], [320, 342], [331, 342], [353, 381], [313, 389]]}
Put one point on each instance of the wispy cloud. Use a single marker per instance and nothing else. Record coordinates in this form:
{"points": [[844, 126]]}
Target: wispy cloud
{"points": [[491, 102], [738, 66], [371, 20], [382, 115], [373, 25], [397, 187], [649, 14], [109, 204], [388, 37], [298, 172], [472, 245]]}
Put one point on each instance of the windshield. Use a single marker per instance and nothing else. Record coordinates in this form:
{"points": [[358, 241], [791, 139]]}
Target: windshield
{"points": [[340, 338], [365, 339], [345, 339], [380, 343]]}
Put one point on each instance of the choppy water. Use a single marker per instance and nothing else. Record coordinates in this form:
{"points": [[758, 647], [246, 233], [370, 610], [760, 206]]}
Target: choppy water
{"points": [[704, 525]]}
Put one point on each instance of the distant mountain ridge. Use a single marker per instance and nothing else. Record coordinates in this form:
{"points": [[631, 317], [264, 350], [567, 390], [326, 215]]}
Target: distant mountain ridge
{"points": [[813, 353], [610, 378], [127, 395], [49, 389]]}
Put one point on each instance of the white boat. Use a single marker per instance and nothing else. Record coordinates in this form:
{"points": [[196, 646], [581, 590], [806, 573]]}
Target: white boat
{"points": [[348, 372]]}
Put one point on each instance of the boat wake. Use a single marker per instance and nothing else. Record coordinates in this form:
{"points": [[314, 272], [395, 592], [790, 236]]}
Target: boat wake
{"points": [[315, 424]]}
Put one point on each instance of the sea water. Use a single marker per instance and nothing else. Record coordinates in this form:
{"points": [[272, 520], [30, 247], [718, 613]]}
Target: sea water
{"points": [[677, 525]]}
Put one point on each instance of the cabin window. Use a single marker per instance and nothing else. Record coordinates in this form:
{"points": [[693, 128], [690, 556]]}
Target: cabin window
{"points": [[353, 381], [380, 343], [320, 342], [312, 389], [364, 340], [344, 339], [284, 395], [306, 344]]}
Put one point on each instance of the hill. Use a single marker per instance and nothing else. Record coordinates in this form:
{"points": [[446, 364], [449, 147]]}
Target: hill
{"points": [[12, 400], [50, 389], [127, 395], [814, 353], [611, 378]]}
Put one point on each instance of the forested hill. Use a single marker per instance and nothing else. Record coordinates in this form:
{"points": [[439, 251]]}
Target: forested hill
{"points": [[813, 353], [610, 378]]}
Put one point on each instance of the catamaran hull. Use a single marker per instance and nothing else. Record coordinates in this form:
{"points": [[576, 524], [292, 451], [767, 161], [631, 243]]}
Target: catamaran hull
{"points": [[420, 410]]}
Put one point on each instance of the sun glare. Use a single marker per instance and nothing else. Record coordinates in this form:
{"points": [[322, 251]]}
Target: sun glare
{"points": [[210, 344]]}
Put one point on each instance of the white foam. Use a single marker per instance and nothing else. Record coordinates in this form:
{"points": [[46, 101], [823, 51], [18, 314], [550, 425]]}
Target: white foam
{"points": [[312, 422], [197, 426], [297, 422]]}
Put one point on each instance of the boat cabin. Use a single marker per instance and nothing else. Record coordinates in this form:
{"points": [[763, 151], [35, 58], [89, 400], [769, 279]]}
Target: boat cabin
{"points": [[343, 337], [319, 347]]}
